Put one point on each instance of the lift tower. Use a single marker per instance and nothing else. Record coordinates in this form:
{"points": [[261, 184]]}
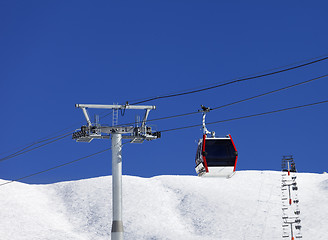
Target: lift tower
{"points": [[136, 134], [290, 204]]}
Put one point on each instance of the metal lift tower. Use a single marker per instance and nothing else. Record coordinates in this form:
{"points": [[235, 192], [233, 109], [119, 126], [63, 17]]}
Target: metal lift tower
{"points": [[290, 204], [136, 134]]}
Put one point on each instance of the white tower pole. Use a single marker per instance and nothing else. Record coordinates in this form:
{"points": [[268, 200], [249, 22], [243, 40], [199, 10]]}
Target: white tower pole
{"points": [[137, 134], [117, 224]]}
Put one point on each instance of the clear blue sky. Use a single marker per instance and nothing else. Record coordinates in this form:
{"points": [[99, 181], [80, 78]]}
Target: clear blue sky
{"points": [[55, 54]]}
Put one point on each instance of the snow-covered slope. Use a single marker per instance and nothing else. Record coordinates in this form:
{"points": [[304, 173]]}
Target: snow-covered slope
{"points": [[247, 206]]}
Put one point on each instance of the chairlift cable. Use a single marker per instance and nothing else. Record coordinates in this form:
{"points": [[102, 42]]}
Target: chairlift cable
{"points": [[58, 166], [26, 147], [244, 76], [26, 150], [231, 82], [239, 101], [170, 130], [21, 151], [52, 168], [247, 116], [189, 92], [273, 91], [40, 140], [44, 139]]}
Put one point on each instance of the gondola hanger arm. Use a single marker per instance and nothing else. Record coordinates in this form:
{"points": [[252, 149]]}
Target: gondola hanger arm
{"points": [[205, 110]]}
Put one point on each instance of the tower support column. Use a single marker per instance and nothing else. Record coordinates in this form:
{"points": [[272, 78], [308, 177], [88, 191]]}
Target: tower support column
{"points": [[117, 224]]}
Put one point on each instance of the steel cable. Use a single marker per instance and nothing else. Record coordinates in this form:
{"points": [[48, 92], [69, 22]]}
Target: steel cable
{"points": [[247, 116], [231, 82]]}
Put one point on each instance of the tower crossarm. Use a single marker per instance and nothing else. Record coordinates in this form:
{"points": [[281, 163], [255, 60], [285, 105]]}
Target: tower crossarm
{"points": [[96, 131], [117, 106]]}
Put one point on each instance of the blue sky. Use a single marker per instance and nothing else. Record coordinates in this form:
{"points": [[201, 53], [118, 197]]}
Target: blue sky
{"points": [[55, 54]]}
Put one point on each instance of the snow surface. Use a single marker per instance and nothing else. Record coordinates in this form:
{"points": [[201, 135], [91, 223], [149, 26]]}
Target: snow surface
{"points": [[247, 206]]}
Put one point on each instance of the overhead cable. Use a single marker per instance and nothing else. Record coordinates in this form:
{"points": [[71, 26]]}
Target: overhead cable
{"points": [[170, 130], [230, 82], [247, 116], [321, 58], [239, 101], [52, 168], [28, 149]]}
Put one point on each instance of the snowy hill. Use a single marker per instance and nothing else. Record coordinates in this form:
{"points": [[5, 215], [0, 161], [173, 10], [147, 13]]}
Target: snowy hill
{"points": [[247, 206]]}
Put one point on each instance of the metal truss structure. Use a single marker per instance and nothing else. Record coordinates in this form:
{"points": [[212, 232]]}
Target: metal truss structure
{"points": [[290, 202]]}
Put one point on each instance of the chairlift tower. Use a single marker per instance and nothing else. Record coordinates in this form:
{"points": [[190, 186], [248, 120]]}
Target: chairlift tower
{"points": [[136, 134], [290, 203]]}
